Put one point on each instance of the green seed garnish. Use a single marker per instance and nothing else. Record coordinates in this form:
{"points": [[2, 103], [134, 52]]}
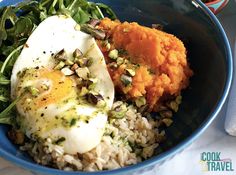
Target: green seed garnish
{"points": [[126, 80], [113, 65], [167, 121], [130, 72], [174, 106], [166, 114], [178, 99], [120, 60], [140, 101], [83, 91], [94, 98], [101, 103], [33, 91], [77, 53], [60, 65], [69, 62], [61, 55], [82, 62], [118, 111], [83, 73], [113, 54], [108, 46], [45, 87], [67, 71]]}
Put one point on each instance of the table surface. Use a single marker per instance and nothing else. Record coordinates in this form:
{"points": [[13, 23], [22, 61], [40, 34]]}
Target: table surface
{"points": [[214, 139]]}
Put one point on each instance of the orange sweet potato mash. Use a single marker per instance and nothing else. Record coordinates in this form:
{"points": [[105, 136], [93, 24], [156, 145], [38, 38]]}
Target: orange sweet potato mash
{"points": [[162, 69]]}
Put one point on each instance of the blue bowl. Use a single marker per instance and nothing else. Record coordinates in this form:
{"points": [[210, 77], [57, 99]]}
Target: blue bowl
{"points": [[209, 56]]}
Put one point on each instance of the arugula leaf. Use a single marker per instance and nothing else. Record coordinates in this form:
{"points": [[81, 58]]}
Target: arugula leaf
{"points": [[4, 80], [5, 115], [9, 58], [3, 33], [84, 17], [4, 94], [3, 99], [107, 10], [6, 120]]}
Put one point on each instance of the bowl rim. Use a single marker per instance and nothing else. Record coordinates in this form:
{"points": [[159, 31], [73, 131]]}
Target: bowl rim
{"points": [[165, 155]]}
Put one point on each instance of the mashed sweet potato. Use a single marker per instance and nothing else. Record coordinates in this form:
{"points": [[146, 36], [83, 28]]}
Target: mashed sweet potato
{"points": [[161, 57]]}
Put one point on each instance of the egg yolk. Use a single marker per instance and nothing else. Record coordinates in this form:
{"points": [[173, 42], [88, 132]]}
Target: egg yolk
{"points": [[60, 87], [57, 87]]}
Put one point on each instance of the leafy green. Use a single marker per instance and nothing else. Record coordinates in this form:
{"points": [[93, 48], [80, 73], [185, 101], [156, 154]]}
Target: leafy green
{"points": [[8, 59], [6, 115], [4, 97], [6, 120], [18, 22], [3, 80]]}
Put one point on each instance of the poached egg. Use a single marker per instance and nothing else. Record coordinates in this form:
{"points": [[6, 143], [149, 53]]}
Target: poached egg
{"points": [[58, 112]]}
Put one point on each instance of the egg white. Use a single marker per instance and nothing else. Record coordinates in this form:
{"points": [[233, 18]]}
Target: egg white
{"points": [[52, 35]]}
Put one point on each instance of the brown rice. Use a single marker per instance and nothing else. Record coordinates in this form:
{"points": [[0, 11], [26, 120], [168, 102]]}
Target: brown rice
{"points": [[126, 141]]}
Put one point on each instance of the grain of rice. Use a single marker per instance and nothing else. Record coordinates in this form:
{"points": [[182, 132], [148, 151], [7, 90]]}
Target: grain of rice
{"points": [[125, 142]]}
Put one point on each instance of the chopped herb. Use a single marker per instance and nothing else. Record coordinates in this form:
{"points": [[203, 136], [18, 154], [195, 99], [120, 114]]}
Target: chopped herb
{"points": [[33, 91], [73, 122], [60, 140]]}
